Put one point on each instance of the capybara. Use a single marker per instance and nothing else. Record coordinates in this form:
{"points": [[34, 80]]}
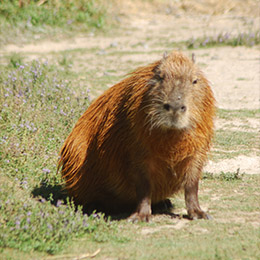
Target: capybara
{"points": [[143, 140]]}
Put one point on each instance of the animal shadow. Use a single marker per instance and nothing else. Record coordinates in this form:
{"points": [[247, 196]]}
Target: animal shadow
{"points": [[56, 194], [53, 193]]}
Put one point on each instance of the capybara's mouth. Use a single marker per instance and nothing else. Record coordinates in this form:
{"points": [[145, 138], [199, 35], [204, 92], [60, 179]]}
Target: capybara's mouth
{"points": [[176, 121]]}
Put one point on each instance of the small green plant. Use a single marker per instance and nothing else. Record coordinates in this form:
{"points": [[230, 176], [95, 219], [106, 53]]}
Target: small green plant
{"points": [[15, 60], [65, 61], [224, 176]]}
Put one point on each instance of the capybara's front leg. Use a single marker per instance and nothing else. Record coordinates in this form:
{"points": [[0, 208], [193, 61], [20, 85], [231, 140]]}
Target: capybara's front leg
{"points": [[143, 195], [192, 201], [143, 211]]}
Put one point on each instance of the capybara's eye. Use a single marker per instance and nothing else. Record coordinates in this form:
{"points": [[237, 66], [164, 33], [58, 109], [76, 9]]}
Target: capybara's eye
{"points": [[159, 77], [194, 81]]}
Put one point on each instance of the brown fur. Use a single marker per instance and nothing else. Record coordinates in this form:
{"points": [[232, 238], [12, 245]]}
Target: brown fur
{"points": [[143, 140]]}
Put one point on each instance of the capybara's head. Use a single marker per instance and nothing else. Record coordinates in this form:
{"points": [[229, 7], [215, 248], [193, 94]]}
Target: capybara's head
{"points": [[177, 95]]}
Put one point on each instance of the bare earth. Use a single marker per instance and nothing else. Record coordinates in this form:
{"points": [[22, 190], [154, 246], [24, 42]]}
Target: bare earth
{"points": [[147, 31]]}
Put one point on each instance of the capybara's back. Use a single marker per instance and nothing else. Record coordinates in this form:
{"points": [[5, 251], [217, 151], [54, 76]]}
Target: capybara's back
{"points": [[143, 140]]}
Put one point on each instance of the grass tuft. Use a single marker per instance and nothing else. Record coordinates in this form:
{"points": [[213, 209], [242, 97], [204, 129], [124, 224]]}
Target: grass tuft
{"points": [[224, 176]]}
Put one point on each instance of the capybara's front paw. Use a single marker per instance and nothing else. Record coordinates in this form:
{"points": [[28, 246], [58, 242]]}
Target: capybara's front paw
{"points": [[143, 214], [198, 214]]}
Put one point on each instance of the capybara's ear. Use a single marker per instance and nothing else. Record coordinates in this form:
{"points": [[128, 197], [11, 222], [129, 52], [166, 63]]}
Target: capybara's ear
{"points": [[165, 55], [193, 57], [157, 77]]}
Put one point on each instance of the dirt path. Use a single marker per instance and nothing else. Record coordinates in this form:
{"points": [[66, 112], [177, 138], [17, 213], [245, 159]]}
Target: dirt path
{"points": [[144, 35]]}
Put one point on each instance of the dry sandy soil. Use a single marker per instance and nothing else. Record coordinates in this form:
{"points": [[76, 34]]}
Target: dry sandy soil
{"points": [[146, 30]]}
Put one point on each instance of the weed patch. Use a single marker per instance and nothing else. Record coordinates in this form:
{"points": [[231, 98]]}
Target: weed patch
{"points": [[224, 176], [225, 39], [38, 107], [29, 225]]}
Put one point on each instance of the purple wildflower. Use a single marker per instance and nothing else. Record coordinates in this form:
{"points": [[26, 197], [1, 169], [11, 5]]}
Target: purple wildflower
{"points": [[42, 200], [49, 226], [20, 93], [59, 203], [46, 170], [26, 227], [226, 36], [206, 41], [17, 223], [62, 112], [85, 224]]}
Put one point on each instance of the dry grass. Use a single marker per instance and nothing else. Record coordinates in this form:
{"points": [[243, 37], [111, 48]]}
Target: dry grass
{"points": [[207, 7]]}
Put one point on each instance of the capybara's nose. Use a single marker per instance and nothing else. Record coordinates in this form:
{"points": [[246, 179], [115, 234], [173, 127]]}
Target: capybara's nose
{"points": [[174, 107], [183, 108]]}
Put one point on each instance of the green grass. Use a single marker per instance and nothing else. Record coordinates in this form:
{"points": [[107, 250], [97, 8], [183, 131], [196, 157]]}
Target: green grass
{"points": [[229, 144], [229, 114], [241, 140], [52, 13], [230, 140], [49, 18]]}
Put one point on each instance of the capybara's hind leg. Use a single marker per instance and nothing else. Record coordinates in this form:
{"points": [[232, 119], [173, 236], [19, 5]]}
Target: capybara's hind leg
{"points": [[162, 206]]}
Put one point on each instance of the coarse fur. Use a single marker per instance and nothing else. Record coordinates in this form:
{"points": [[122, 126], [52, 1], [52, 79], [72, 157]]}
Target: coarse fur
{"points": [[143, 140]]}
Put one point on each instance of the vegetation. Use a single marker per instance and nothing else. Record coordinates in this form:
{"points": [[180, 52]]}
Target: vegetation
{"points": [[225, 39], [52, 13], [41, 18]]}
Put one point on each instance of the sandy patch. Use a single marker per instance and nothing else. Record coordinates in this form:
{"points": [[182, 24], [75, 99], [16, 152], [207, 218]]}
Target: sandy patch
{"points": [[247, 165]]}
